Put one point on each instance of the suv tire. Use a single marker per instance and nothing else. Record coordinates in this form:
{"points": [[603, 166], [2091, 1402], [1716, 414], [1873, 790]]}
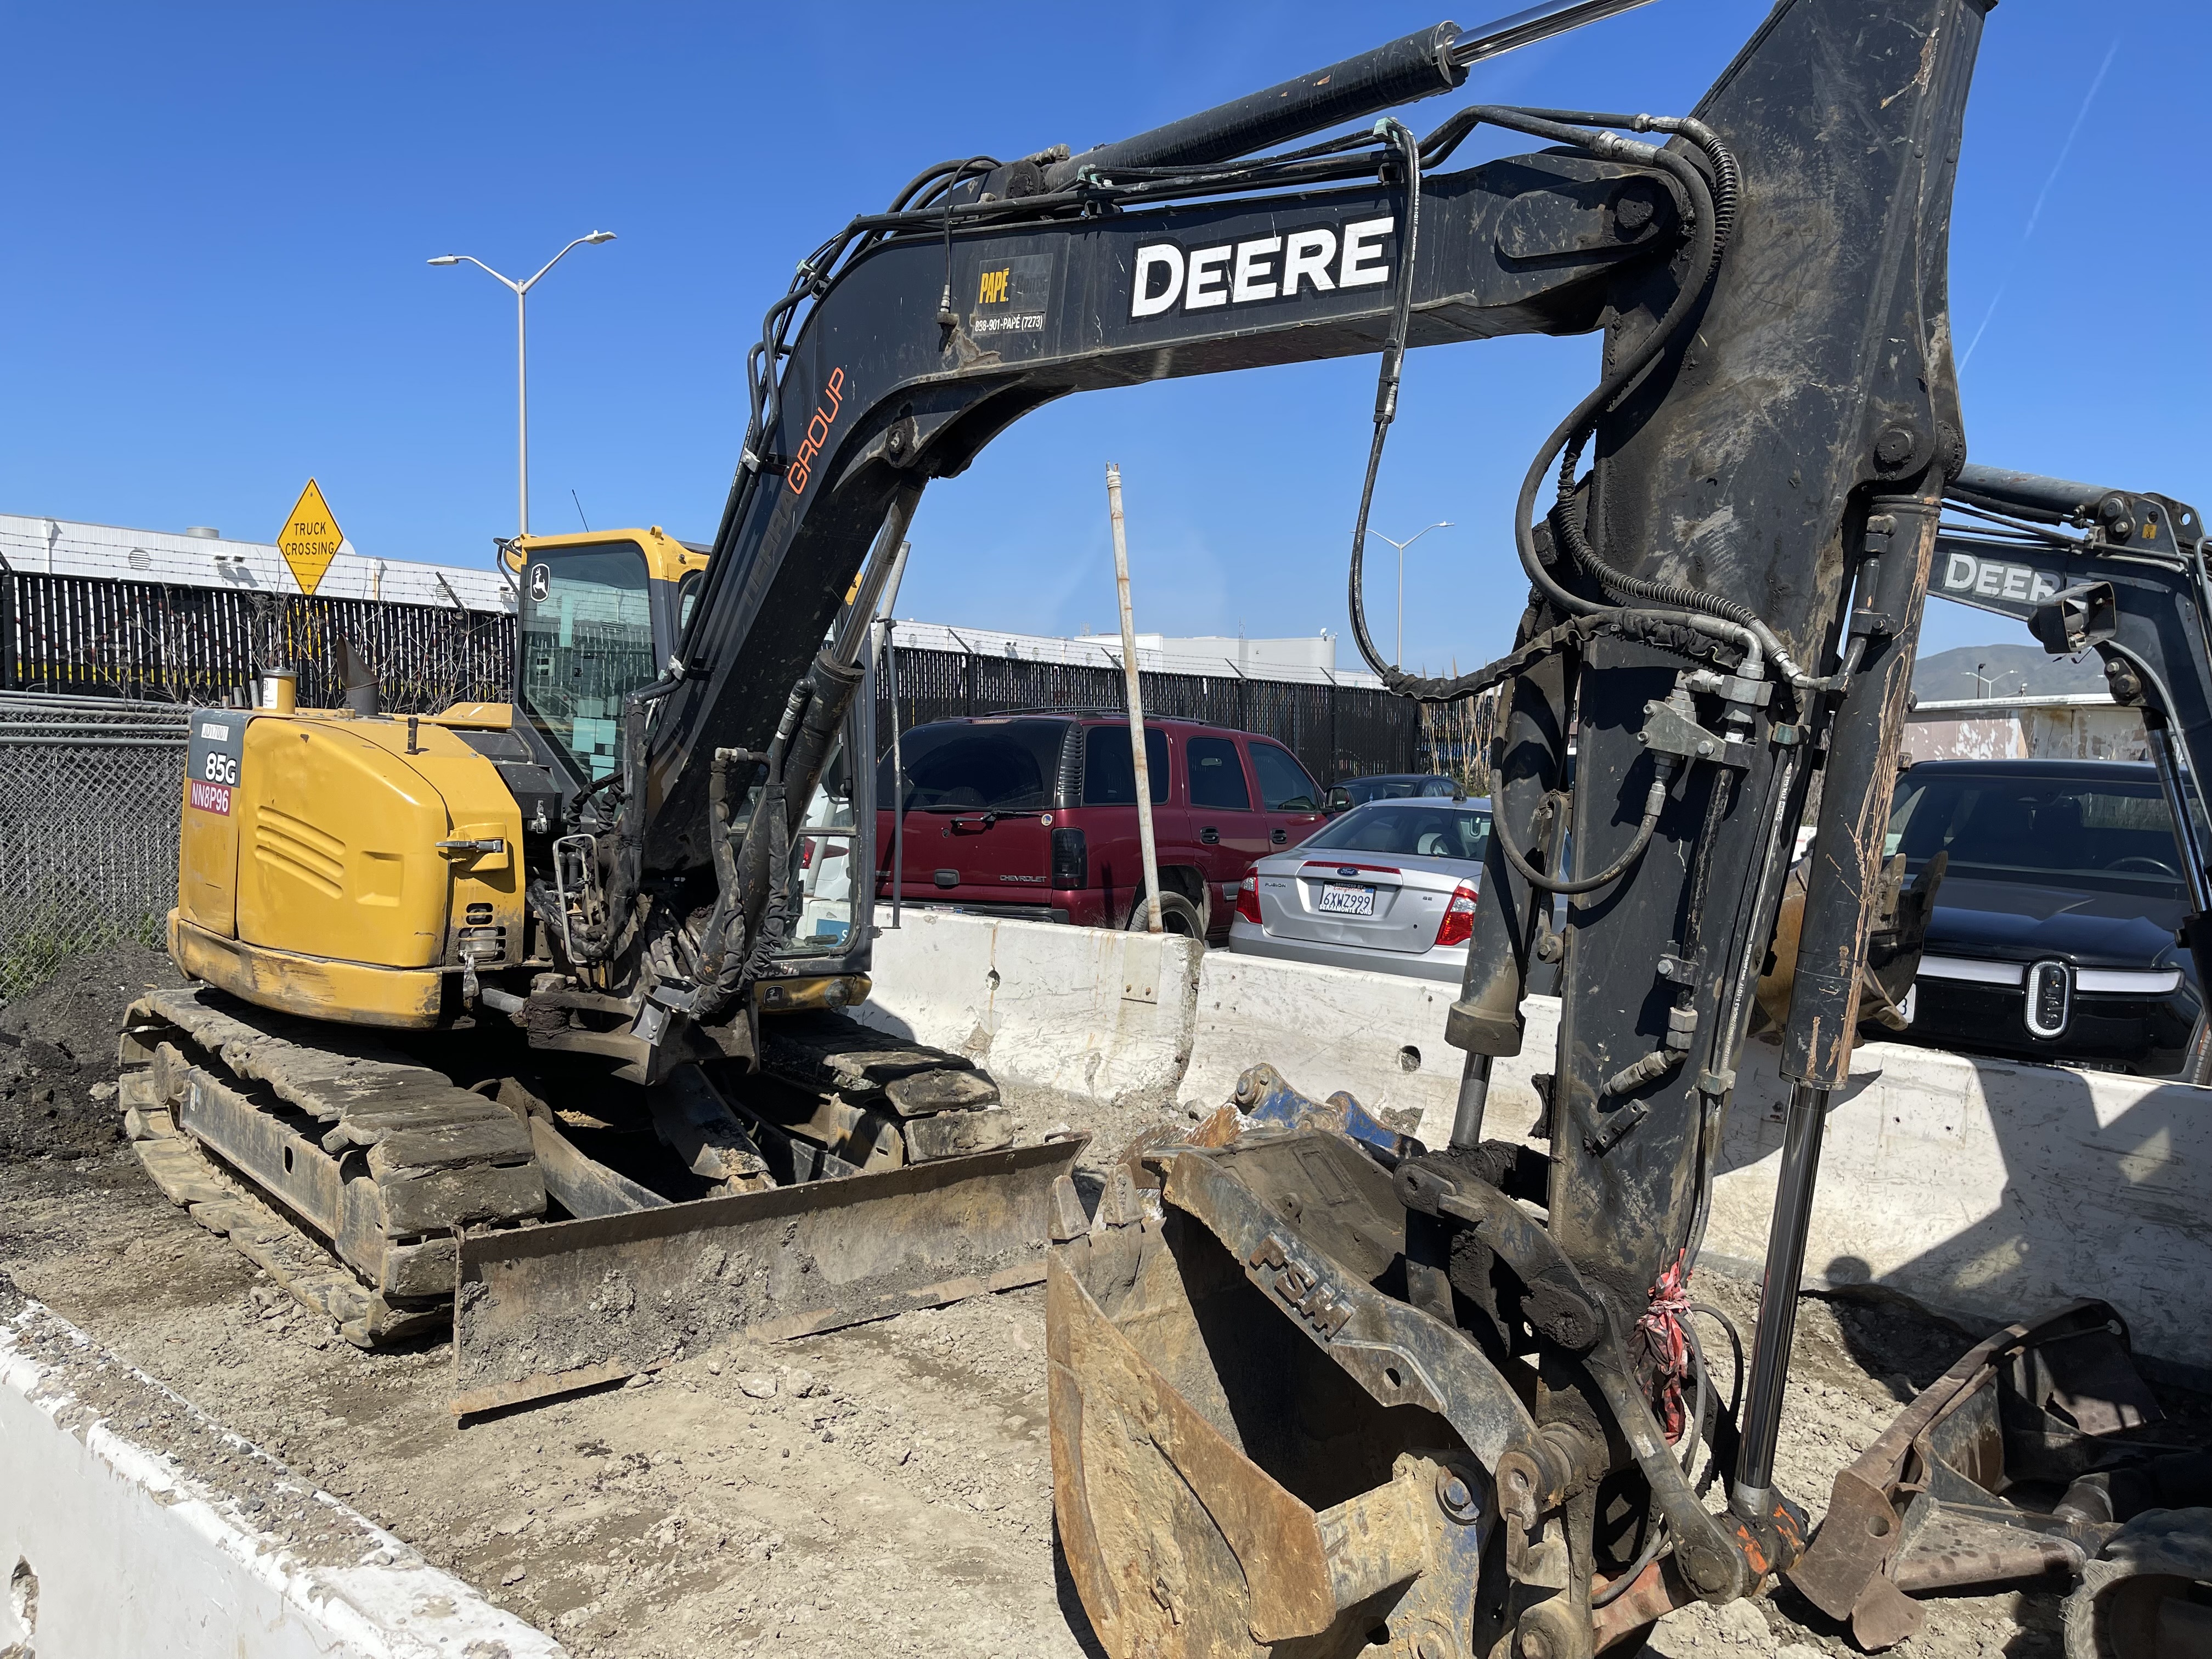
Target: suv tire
{"points": [[1177, 915]]}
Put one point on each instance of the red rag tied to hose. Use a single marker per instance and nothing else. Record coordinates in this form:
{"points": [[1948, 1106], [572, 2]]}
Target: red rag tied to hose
{"points": [[1664, 1346]]}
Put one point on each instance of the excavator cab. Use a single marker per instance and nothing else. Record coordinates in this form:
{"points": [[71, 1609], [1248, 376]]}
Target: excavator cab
{"points": [[600, 616]]}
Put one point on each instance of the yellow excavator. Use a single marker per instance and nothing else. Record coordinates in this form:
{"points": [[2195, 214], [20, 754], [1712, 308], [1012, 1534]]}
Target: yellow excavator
{"points": [[1316, 1389], [397, 1058]]}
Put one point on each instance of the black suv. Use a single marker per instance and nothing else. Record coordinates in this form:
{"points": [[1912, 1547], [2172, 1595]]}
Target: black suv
{"points": [[2053, 936]]}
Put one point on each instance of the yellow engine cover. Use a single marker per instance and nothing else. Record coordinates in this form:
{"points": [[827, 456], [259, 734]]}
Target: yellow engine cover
{"points": [[313, 839]]}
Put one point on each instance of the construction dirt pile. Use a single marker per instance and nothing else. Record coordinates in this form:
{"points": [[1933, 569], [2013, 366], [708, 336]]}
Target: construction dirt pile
{"points": [[58, 1053], [878, 1492]]}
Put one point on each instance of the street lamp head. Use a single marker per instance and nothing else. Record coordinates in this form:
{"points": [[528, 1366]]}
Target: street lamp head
{"points": [[600, 236], [445, 260]]}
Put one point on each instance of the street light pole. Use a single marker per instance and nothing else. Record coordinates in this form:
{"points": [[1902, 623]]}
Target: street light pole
{"points": [[522, 362], [1398, 656]]}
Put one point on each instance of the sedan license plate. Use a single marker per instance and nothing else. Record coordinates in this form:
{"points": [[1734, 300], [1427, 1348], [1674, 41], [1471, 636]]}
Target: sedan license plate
{"points": [[1339, 899]]}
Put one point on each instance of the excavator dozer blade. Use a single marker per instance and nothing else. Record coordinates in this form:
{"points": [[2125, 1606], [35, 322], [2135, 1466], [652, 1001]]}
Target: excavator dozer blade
{"points": [[546, 1310]]}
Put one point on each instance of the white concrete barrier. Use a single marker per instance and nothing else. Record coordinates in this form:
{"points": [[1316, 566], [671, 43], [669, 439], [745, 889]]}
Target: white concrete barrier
{"points": [[113, 1549], [1985, 1189], [1981, 1189], [1380, 1036], [1059, 1016]]}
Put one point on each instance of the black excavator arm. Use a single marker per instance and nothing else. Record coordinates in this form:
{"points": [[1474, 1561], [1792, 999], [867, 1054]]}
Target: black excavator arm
{"points": [[2123, 573], [1729, 600]]}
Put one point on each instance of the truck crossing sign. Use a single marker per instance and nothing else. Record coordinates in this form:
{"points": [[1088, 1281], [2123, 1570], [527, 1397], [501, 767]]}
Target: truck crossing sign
{"points": [[310, 539]]}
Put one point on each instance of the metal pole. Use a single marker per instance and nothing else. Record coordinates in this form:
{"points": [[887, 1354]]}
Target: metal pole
{"points": [[1136, 702], [898, 777], [898, 764], [521, 418], [1398, 650]]}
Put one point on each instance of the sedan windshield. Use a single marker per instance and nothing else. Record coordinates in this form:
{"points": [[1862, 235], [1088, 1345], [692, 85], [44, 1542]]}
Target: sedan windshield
{"points": [[1408, 829], [2095, 835], [1393, 789]]}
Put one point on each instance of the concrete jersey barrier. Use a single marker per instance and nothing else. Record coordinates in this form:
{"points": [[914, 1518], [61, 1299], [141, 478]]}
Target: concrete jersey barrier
{"points": [[115, 1547], [1380, 1036], [1061, 1016], [1983, 1189]]}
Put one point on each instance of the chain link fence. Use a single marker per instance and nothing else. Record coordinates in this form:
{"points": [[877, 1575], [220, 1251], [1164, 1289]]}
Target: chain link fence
{"points": [[88, 827]]}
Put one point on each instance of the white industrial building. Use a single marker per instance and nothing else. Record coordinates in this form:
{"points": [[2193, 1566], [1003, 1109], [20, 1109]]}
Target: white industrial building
{"points": [[1309, 659], [201, 557], [2085, 726]]}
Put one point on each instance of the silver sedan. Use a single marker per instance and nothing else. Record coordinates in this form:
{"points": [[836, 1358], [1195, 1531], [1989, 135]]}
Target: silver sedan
{"points": [[1388, 886]]}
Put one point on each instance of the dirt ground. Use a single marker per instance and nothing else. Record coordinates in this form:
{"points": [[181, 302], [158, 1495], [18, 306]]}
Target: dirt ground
{"points": [[876, 1492]]}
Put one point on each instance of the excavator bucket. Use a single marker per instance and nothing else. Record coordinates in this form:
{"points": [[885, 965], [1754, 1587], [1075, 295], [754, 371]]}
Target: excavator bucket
{"points": [[546, 1310], [1224, 1487]]}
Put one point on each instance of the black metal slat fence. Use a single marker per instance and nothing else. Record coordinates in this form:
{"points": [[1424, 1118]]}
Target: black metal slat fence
{"points": [[1337, 730], [91, 636]]}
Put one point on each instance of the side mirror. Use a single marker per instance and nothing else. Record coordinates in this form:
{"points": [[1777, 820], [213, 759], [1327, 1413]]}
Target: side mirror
{"points": [[1338, 800]]}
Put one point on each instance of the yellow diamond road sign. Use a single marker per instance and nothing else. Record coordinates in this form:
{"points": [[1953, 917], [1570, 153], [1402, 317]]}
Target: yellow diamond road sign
{"points": [[310, 539]]}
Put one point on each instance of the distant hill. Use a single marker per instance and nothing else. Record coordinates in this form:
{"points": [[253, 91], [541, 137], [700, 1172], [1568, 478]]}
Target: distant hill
{"points": [[2016, 670]]}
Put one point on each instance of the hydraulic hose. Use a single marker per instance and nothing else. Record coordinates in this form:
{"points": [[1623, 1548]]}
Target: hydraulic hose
{"points": [[1386, 386], [1654, 800]]}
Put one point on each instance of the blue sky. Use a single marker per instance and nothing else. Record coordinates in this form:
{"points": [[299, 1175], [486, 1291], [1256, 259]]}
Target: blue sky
{"points": [[219, 216]]}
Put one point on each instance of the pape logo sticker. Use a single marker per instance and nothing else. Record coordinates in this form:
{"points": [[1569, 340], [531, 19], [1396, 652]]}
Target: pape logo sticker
{"points": [[1013, 292], [1320, 258], [1992, 578]]}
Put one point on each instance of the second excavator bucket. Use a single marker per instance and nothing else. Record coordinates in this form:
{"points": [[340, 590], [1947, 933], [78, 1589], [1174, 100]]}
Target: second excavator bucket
{"points": [[547, 1310]]}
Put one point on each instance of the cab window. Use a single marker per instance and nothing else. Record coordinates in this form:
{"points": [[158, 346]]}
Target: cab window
{"points": [[586, 626]]}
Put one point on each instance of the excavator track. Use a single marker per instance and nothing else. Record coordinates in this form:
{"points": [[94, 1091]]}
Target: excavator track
{"points": [[342, 1169], [348, 1171]]}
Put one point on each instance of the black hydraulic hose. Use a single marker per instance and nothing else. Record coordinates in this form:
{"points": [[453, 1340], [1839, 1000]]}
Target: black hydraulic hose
{"points": [[1654, 800], [714, 938], [1707, 227], [1727, 174], [1695, 1434], [1608, 389], [1736, 1342], [1618, 1587], [1386, 385]]}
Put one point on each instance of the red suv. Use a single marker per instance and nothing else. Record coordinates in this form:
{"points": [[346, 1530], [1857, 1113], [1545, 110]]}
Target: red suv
{"points": [[1035, 814]]}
